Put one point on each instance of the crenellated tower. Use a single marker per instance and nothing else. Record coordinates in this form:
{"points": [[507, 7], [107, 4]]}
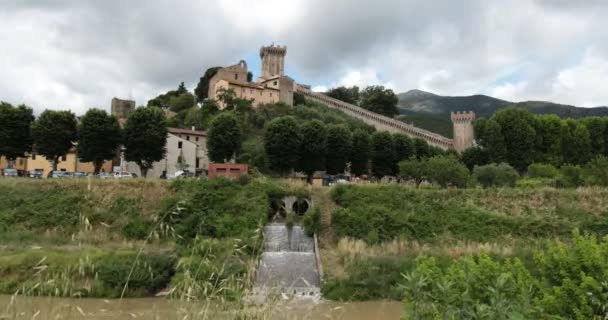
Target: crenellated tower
{"points": [[273, 61], [462, 122]]}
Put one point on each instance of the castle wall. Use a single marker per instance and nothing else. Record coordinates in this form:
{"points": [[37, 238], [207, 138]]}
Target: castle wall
{"points": [[463, 130]]}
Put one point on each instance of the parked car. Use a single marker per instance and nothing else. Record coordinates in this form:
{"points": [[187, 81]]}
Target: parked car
{"points": [[36, 174], [10, 173], [80, 174], [183, 174], [58, 175]]}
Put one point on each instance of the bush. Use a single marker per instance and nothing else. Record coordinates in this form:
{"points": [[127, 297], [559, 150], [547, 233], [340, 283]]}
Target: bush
{"points": [[144, 276], [312, 222], [571, 176], [597, 171], [495, 175], [446, 171], [535, 183], [542, 170], [137, 228]]}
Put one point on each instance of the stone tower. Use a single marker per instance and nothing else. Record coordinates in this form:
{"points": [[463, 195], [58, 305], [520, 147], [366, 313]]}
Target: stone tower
{"points": [[121, 109], [463, 129], [273, 61]]}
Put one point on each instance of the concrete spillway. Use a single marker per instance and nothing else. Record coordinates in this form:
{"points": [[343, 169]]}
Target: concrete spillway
{"points": [[288, 264]]}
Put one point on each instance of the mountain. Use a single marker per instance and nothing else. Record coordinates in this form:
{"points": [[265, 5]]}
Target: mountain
{"points": [[432, 112]]}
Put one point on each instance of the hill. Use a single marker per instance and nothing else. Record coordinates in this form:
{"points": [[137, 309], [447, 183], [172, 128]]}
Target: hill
{"points": [[431, 111]]}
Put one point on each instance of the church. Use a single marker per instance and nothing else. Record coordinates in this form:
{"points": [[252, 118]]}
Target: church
{"points": [[273, 86]]}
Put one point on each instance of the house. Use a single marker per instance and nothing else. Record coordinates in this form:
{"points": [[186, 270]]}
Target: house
{"points": [[228, 170], [186, 150], [69, 163]]}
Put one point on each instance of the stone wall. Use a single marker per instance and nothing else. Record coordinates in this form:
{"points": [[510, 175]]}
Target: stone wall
{"points": [[463, 129]]}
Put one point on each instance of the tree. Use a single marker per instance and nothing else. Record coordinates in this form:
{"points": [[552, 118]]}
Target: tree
{"points": [[582, 144], [597, 132], [181, 89], [421, 148], [597, 171], [516, 126], [412, 169], [383, 154], [54, 133], [548, 147], [312, 148], [182, 102], [15, 131], [446, 171], [224, 137], [282, 142], [360, 152], [145, 136], [339, 143], [404, 149], [202, 88], [348, 95], [475, 156], [98, 137], [492, 140], [379, 100], [164, 100]]}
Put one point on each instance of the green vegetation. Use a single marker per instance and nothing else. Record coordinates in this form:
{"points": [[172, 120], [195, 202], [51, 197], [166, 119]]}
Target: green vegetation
{"points": [[145, 136], [224, 137], [99, 136], [53, 133], [15, 131]]}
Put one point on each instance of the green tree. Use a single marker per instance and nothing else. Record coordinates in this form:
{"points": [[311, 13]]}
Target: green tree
{"points": [[54, 133], [379, 100], [446, 171], [348, 95], [493, 141], [182, 102], [145, 136], [597, 171], [339, 144], [597, 132], [99, 136], [202, 88], [548, 147], [582, 144], [224, 137], [412, 169], [475, 156], [360, 152], [15, 131], [404, 149], [282, 142], [516, 125], [382, 154], [421, 148], [312, 148], [164, 100]]}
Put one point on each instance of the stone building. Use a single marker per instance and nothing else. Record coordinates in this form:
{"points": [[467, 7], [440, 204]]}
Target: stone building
{"points": [[121, 109], [186, 150], [273, 86], [462, 123], [69, 163]]}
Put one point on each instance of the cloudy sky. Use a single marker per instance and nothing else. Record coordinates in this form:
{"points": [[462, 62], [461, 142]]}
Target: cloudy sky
{"points": [[78, 54]]}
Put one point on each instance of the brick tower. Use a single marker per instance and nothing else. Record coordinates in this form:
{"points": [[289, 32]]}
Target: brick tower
{"points": [[273, 61], [463, 129]]}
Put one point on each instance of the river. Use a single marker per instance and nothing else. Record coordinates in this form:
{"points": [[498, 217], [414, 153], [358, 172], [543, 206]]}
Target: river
{"points": [[158, 308]]}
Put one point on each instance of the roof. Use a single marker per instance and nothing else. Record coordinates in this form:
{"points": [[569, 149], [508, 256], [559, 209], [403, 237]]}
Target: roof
{"points": [[188, 132]]}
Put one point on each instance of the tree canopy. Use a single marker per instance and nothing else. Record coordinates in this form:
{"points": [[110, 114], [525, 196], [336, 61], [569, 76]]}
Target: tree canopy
{"points": [[312, 147], [282, 143], [99, 136], [383, 154], [348, 95], [379, 100], [15, 130], [202, 88], [339, 143], [224, 137], [54, 133], [360, 152], [145, 136]]}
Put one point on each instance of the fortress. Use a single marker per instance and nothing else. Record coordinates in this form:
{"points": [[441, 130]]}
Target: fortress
{"points": [[274, 86]]}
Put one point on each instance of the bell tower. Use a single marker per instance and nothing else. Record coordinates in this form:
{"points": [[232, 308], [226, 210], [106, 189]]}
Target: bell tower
{"points": [[273, 61]]}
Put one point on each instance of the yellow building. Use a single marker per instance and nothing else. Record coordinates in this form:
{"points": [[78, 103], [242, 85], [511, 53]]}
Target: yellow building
{"points": [[68, 163]]}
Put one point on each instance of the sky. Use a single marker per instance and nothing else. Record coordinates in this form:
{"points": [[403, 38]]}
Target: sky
{"points": [[78, 54]]}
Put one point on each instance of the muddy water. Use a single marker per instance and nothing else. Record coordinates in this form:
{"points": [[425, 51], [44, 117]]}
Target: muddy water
{"points": [[153, 308]]}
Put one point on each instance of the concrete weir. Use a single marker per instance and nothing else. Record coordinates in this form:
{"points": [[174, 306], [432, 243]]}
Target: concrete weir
{"points": [[288, 265]]}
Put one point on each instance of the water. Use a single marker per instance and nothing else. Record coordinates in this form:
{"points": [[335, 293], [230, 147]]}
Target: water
{"points": [[288, 264], [163, 309]]}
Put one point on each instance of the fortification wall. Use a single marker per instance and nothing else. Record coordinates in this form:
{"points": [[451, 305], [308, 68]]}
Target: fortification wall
{"points": [[378, 121]]}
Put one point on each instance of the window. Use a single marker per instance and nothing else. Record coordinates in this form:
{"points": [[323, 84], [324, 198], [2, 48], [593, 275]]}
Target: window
{"points": [[188, 138], [235, 170], [236, 76], [20, 162], [179, 144], [198, 160], [64, 158], [221, 169], [33, 156], [275, 82], [196, 139]]}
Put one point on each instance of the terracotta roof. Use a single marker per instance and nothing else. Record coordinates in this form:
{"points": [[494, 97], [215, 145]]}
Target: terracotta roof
{"points": [[188, 132]]}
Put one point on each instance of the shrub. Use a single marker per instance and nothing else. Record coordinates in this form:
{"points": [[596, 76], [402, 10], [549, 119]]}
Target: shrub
{"points": [[571, 176], [412, 169], [495, 175], [542, 170], [137, 228], [143, 276], [447, 170], [597, 171], [312, 222], [535, 183]]}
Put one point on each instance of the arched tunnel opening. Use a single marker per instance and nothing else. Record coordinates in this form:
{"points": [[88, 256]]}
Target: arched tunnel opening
{"points": [[300, 207], [277, 210]]}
